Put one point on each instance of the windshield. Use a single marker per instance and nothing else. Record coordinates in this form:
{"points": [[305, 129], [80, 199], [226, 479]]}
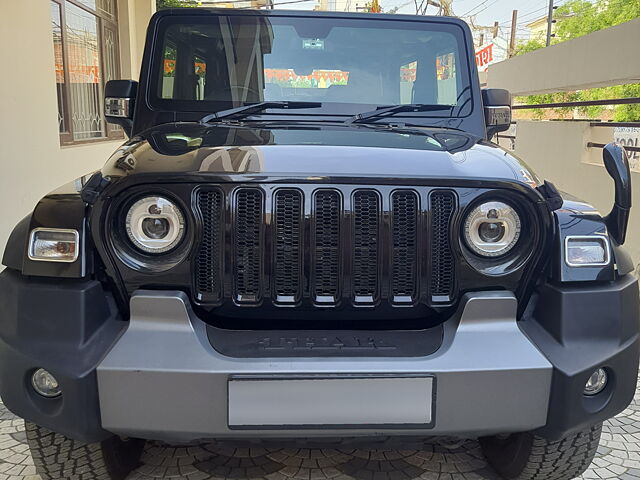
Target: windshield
{"points": [[214, 62]]}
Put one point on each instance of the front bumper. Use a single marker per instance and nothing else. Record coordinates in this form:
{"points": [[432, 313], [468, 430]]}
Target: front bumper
{"points": [[159, 377], [164, 380]]}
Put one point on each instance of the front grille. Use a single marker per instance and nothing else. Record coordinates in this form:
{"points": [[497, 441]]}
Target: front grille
{"points": [[287, 245], [248, 243], [442, 268], [327, 212], [404, 230], [337, 246], [207, 271], [366, 239]]}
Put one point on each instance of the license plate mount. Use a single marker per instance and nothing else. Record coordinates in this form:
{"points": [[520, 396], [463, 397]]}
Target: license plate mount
{"points": [[331, 401]]}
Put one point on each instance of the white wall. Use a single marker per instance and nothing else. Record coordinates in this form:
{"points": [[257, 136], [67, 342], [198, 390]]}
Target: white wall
{"points": [[558, 150], [603, 58], [32, 161]]}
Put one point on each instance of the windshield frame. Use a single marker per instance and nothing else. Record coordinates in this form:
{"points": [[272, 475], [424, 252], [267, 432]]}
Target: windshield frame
{"points": [[330, 110]]}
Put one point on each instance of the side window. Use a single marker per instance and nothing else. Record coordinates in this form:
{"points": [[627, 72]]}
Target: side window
{"points": [[407, 80], [168, 71], [192, 87], [446, 79], [200, 69]]}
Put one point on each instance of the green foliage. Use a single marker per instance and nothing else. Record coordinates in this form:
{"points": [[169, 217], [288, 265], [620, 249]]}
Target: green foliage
{"points": [[529, 46], [626, 113], [162, 4], [538, 113], [574, 19], [580, 17]]}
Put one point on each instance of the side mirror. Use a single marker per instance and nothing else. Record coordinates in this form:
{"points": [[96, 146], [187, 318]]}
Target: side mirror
{"points": [[497, 110], [119, 102], [617, 165]]}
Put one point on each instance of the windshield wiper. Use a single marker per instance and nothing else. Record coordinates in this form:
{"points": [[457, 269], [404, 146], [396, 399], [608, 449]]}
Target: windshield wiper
{"points": [[247, 110], [382, 112]]}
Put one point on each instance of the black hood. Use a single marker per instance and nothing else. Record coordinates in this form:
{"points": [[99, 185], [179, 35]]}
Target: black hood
{"points": [[316, 150]]}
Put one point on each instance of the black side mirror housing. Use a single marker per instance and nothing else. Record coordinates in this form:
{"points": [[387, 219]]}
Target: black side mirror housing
{"points": [[119, 103], [497, 110], [617, 165]]}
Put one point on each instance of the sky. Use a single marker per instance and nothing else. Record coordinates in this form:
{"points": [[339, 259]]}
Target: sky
{"points": [[485, 11], [489, 11]]}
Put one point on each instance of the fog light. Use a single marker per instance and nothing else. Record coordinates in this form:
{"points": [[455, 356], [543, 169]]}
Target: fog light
{"points": [[596, 383], [45, 384]]}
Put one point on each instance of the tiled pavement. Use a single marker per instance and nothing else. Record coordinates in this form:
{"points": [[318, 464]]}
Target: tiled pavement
{"points": [[618, 458]]}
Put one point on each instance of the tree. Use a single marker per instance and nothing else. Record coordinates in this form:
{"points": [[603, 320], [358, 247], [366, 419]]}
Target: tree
{"points": [[574, 19], [162, 4], [579, 17], [529, 46]]}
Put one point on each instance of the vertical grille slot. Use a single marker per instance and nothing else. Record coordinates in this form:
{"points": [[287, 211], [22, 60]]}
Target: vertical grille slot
{"points": [[442, 264], [366, 219], [287, 246], [404, 231], [326, 246], [248, 245], [209, 260]]}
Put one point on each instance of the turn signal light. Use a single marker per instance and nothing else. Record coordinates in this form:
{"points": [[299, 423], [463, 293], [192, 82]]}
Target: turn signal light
{"points": [[586, 251], [53, 245]]}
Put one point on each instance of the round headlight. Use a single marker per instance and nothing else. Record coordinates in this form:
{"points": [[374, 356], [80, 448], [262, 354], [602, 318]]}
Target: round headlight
{"points": [[492, 229], [155, 224]]}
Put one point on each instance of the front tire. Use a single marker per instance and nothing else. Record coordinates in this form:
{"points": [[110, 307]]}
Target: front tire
{"points": [[57, 456], [525, 456]]}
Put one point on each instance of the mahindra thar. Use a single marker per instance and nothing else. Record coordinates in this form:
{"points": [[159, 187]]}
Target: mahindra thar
{"points": [[310, 237]]}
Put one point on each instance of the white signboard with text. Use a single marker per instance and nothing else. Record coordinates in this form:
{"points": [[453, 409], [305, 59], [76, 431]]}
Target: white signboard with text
{"points": [[491, 53], [626, 136], [629, 137]]}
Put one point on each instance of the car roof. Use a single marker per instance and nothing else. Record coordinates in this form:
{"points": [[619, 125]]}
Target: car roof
{"points": [[309, 13]]}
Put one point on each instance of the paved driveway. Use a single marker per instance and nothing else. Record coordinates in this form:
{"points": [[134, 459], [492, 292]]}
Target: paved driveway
{"points": [[618, 458]]}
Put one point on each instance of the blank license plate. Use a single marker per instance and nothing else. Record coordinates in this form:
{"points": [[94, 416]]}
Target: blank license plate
{"points": [[336, 401]]}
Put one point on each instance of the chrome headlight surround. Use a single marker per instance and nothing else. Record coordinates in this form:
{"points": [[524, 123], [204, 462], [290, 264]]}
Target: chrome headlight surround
{"points": [[492, 229], [155, 224], [136, 248]]}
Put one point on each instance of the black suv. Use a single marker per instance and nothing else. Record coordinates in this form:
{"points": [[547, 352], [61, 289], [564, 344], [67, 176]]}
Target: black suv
{"points": [[310, 236]]}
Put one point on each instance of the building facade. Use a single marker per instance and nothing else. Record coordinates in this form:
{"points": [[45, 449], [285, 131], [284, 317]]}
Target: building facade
{"points": [[537, 28], [57, 56], [343, 5]]}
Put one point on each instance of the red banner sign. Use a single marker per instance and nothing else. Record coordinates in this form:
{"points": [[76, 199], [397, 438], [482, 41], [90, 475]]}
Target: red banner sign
{"points": [[484, 56]]}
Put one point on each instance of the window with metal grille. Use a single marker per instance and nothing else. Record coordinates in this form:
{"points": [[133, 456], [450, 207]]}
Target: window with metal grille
{"points": [[85, 42]]}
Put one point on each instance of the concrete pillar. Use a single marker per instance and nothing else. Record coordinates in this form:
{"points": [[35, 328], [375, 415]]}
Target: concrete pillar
{"points": [[133, 19]]}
